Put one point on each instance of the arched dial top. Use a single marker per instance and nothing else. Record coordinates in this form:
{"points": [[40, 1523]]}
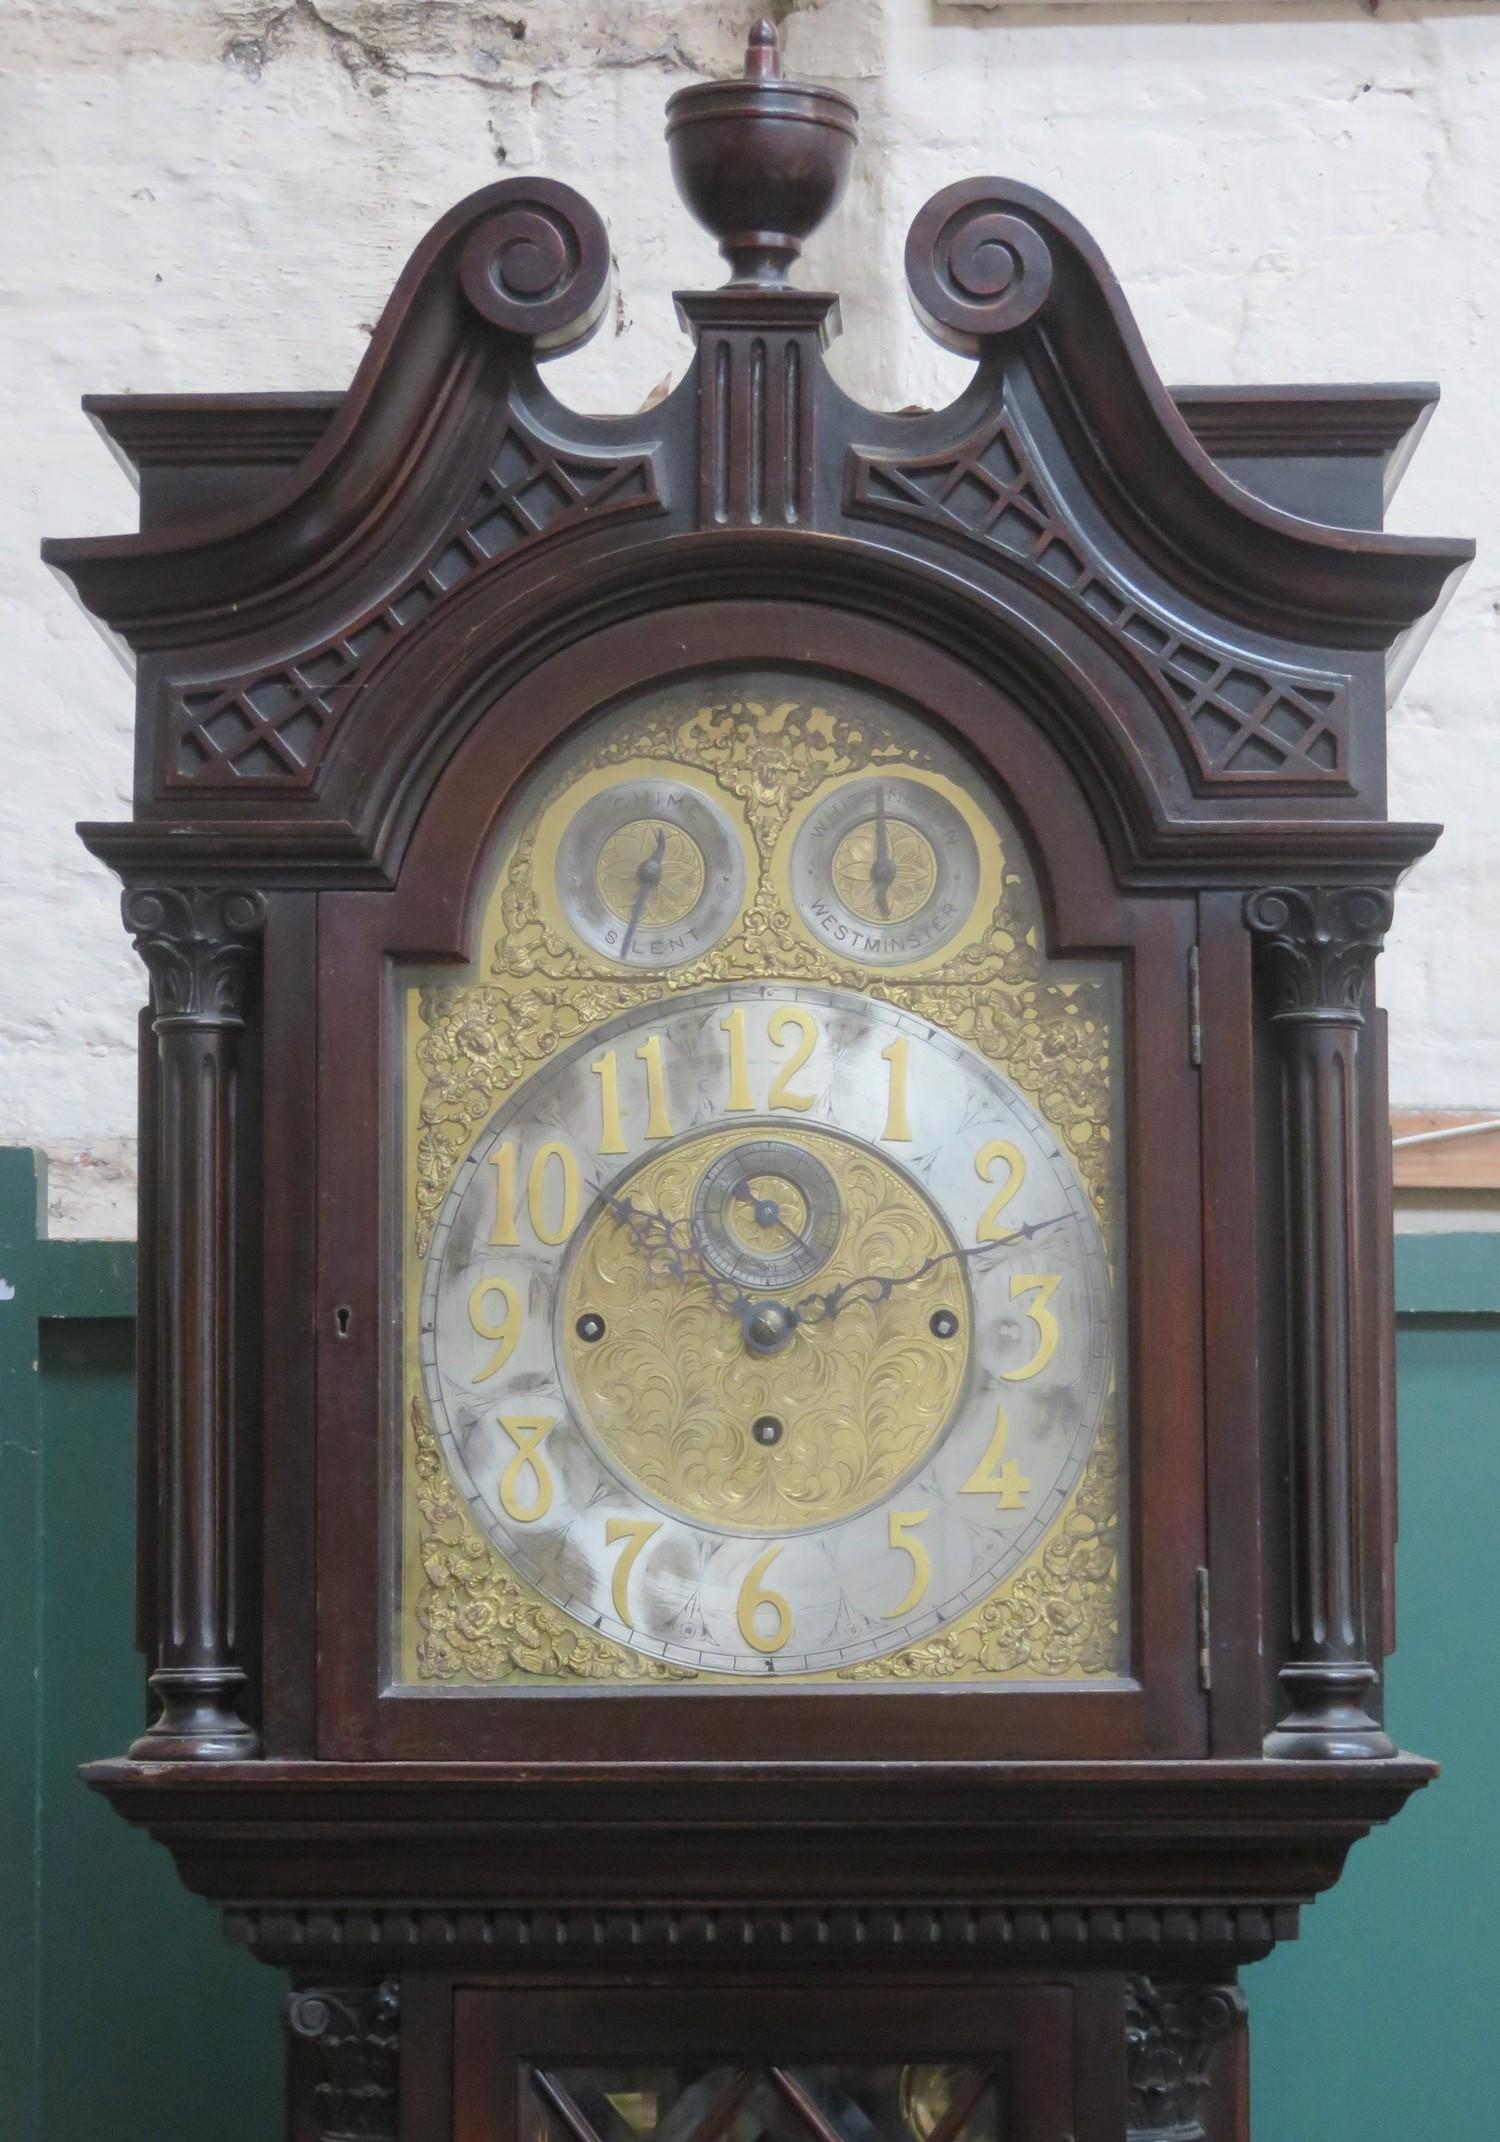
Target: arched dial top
{"points": [[763, 1223]]}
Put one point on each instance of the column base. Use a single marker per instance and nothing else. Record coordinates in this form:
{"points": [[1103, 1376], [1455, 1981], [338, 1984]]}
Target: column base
{"points": [[1328, 1721], [198, 1721]]}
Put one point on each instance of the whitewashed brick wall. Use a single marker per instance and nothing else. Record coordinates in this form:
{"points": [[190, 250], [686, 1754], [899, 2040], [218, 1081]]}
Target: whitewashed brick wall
{"points": [[200, 195]]}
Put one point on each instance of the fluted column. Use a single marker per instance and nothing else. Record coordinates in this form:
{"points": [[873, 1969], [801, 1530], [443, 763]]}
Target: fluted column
{"points": [[1317, 948], [198, 945]]}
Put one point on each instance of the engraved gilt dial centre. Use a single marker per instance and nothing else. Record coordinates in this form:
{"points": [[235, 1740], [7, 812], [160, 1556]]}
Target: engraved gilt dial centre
{"points": [[744, 1407]]}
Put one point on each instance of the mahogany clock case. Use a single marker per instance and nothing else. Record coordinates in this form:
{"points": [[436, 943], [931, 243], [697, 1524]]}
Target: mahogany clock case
{"points": [[1138, 847], [360, 624]]}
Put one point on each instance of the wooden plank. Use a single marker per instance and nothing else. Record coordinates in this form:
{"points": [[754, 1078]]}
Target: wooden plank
{"points": [[1468, 1163]]}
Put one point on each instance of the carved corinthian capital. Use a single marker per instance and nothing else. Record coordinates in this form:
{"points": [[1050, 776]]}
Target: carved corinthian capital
{"points": [[1171, 2033], [196, 942], [1318, 945], [355, 2030]]}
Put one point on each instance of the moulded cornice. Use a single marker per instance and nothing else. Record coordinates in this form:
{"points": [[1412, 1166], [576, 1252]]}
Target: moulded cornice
{"points": [[1317, 421], [949, 1861], [423, 696], [148, 431], [1336, 422]]}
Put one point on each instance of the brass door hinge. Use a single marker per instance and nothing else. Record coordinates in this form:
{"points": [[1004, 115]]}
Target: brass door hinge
{"points": [[1205, 1657], [1195, 1009]]}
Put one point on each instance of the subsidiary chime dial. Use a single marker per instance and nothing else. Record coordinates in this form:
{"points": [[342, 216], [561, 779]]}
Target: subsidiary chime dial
{"points": [[650, 873], [886, 869], [767, 1213]]}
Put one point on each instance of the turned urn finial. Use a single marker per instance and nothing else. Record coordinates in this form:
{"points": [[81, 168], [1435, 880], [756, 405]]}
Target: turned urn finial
{"points": [[760, 161], [762, 51]]}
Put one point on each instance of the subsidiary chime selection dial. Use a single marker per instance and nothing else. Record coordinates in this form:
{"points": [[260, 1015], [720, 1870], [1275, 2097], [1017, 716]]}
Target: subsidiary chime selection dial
{"points": [[650, 873], [768, 1328], [885, 869]]}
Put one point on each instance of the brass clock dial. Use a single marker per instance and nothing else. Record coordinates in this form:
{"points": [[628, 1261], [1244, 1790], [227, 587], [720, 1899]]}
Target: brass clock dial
{"points": [[762, 1318], [766, 1329]]}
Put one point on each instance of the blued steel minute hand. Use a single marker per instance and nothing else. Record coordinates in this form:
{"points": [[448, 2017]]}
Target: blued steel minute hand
{"points": [[654, 1232], [883, 873], [880, 1286]]}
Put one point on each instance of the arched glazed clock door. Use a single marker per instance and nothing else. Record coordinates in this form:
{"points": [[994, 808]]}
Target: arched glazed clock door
{"points": [[774, 1094]]}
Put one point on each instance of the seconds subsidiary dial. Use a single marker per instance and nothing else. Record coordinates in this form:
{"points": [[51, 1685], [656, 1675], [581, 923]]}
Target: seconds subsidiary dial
{"points": [[766, 1329]]}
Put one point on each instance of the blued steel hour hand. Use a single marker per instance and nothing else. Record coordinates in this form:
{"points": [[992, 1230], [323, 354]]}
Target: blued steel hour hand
{"points": [[673, 1246], [765, 1324], [675, 1243]]}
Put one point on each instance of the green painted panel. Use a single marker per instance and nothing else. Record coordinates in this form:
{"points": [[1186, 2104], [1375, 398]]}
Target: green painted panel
{"points": [[126, 2016], [1379, 2023], [173, 2013], [1448, 1275]]}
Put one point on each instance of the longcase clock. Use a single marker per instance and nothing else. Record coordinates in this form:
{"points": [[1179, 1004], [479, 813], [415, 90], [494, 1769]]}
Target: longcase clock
{"points": [[766, 1465]]}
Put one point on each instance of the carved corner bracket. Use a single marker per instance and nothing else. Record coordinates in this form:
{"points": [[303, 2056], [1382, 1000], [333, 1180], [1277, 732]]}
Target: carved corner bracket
{"points": [[1317, 948], [199, 946], [354, 2030]]}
